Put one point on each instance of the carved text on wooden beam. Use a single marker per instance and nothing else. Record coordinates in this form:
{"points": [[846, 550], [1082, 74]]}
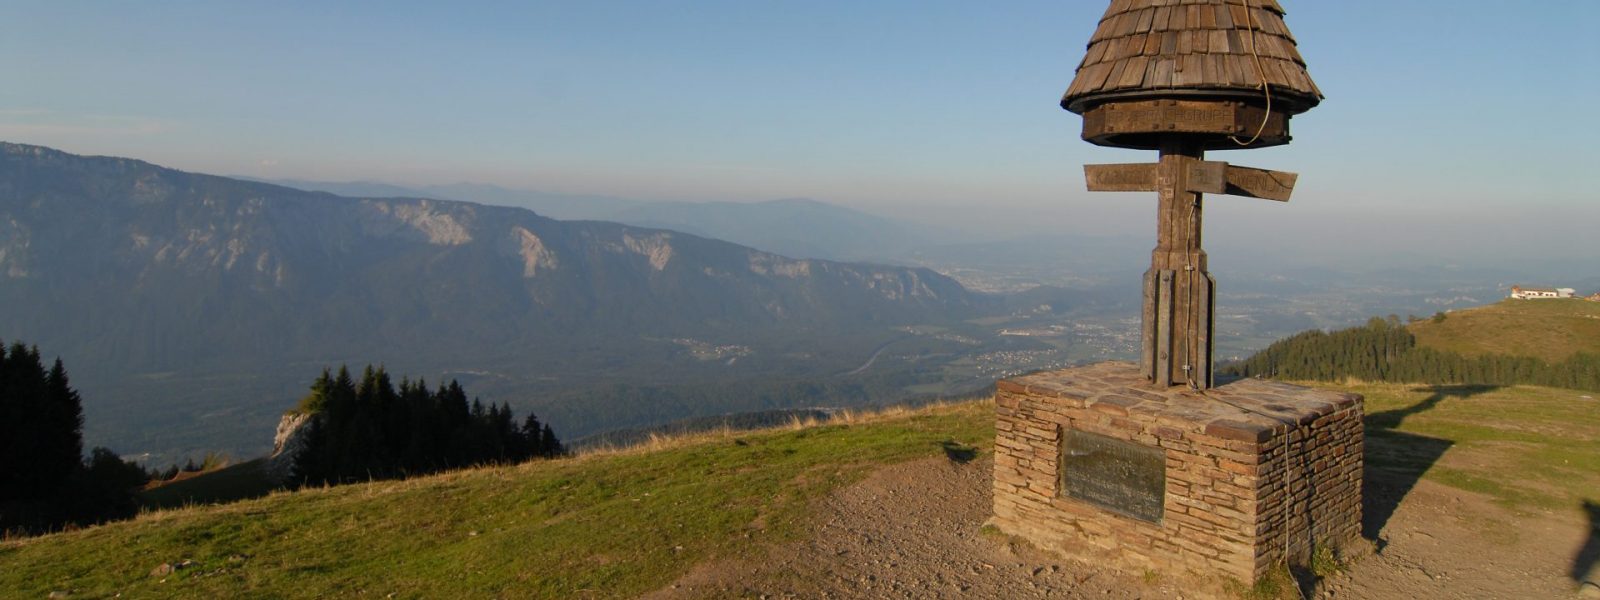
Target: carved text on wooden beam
{"points": [[1204, 177]]}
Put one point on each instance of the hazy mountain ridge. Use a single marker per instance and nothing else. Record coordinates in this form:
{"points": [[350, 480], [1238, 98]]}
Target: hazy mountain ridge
{"points": [[65, 212], [130, 269], [795, 227]]}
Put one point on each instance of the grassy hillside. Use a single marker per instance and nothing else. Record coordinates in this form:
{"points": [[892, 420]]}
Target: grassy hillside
{"points": [[619, 524], [1528, 447], [1547, 329], [233, 482], [609, 525]]}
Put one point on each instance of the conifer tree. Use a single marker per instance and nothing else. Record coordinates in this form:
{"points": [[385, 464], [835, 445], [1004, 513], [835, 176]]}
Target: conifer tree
{"points": [[43, 429], [533, 436], [370, 430], [1384, 350], [11, 432], [551, 446], [44, 482], [60, 452]]}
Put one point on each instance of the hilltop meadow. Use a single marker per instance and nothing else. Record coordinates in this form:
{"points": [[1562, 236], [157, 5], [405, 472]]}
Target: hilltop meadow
{"points": [[620, 523]]}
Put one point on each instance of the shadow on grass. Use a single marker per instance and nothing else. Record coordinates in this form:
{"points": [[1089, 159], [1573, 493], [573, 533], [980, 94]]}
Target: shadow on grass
{"points": [[957, 452], [1396, 460], [1392, 419], [1583, 565], [229, 484]]}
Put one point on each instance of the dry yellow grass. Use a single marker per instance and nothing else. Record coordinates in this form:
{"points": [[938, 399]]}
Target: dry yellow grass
{"points": [[848, 416], [1551, 330]]}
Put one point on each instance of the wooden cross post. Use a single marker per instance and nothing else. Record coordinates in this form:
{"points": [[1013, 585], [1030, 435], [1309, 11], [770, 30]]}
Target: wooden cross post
{"points": [[1179, 292]]}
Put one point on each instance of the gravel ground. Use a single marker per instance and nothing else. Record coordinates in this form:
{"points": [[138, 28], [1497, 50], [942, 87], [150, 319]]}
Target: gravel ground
{"points": [[915, 530]]}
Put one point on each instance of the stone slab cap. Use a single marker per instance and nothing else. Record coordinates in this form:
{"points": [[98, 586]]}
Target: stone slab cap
{"points": [[1246, 410]]}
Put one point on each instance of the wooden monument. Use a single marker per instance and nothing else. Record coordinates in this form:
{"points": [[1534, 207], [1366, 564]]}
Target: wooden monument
{"points": [[1182, 77], [1153, 465]]}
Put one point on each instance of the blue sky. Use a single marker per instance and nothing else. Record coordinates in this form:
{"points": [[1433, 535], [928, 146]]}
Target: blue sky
{"points": [[1482, 110]]}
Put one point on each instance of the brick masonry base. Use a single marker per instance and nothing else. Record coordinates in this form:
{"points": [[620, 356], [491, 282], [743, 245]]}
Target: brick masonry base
{"points": [[1257, 473]]}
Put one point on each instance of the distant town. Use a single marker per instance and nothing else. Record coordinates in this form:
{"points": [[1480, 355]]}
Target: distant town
{"points": [[1522, 293]]}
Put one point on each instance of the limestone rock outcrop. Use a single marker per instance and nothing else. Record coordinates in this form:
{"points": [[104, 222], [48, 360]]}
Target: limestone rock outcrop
{"points": [[287, 444]]}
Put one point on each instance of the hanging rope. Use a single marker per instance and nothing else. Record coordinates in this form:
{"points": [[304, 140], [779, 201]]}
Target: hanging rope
{"points": [[1266, 90], [1283, 515], [1261, 70]]}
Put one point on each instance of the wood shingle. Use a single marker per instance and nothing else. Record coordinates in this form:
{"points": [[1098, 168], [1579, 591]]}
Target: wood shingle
{"points": [[1192, 48]]}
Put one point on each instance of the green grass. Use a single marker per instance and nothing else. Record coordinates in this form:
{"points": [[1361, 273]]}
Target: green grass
{"points": [[1277, 584], [1528, 447], [1550, 330], [1325, 562], [607, 525], [619, 524]]}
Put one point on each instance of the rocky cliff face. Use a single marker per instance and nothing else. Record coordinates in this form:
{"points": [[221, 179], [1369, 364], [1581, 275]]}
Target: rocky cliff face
{"points": [[151, 268], [287, 444], [171, 292]]}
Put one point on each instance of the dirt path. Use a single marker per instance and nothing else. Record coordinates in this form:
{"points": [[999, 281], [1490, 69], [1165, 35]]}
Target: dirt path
{"points": [[914, 531], [910, 531]]}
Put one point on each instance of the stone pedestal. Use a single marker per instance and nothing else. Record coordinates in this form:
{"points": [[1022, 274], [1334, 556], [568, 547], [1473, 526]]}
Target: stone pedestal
{"points": [[1096, 463]]}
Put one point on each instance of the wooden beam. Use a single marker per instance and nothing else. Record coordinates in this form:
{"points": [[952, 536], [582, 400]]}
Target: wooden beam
{"points": [[1214, 125], [1147, 349], [1260, 183], [1183, 116], [1205, 177], [1203, 376], [1121, 178], [1164, 299]]}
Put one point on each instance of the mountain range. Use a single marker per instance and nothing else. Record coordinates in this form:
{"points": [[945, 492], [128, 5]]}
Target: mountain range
{"points": [[794, 227], [193, 308]]}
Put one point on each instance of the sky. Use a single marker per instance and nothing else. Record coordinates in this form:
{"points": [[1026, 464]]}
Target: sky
{"points": [[1451, 124]]}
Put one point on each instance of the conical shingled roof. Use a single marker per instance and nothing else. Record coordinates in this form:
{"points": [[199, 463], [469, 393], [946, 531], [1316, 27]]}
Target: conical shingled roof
{"points": [[1148, 49]]}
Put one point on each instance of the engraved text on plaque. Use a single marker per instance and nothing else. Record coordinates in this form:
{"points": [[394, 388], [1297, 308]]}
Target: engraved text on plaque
{"points": [[1121, 476]]}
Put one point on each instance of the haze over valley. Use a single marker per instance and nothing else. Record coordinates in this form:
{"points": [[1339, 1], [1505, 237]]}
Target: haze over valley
{"points": [[198, 307]]}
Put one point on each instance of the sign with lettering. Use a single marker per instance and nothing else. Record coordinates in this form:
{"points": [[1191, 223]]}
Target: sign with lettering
{"points": [[1260, 183], [1139, 124], [1202, 177], [1121, 178], [1158, 116], [1124, 477], [1207, 177]]}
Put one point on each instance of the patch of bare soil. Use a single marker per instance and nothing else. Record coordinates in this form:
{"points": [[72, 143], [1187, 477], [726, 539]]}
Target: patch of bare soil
{"points": [[915, 530], [1442, 542], [911, 531]]}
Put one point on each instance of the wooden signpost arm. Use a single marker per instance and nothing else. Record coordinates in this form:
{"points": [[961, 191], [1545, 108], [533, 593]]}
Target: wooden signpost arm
{"points": [[1179, 293]]}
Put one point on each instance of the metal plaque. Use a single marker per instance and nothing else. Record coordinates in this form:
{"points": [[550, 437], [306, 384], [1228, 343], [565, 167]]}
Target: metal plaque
{"points": [[1120, 476]]}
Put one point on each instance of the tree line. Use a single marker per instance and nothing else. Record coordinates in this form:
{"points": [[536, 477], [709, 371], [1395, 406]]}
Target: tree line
{"points": [[1384, 350], [45, 481], [371, 430]]}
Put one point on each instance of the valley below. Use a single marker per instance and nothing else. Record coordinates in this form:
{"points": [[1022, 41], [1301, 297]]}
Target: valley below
{"points": [[194, 310], [592, 386]]}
